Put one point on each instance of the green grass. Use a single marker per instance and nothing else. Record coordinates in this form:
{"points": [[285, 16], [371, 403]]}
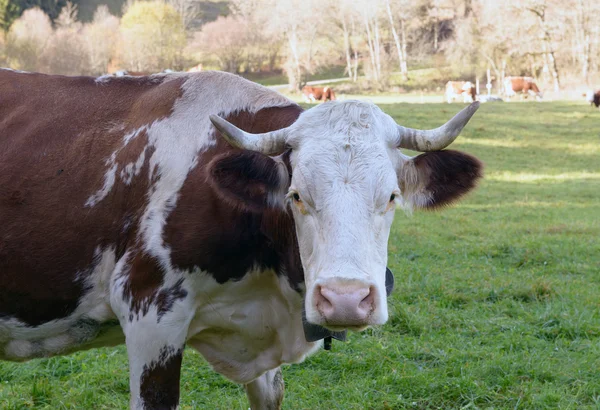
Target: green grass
{"points": [[496, 306]]}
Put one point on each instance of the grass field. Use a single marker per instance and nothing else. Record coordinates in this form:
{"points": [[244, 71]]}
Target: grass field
{"points": [[497, 300]]}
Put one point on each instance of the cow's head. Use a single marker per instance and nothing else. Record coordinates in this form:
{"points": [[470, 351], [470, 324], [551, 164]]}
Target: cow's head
{"points": [[347, 177]]}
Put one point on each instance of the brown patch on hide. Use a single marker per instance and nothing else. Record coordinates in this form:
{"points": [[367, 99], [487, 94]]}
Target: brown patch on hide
{"points": [[57, 134], [159, 383]]}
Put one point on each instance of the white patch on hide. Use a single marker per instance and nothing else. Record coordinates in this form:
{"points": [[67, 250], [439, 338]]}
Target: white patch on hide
{"points": [[248, 327]]}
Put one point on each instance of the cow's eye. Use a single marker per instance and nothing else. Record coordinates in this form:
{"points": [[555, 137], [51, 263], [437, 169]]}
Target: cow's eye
{"points": [[393, 198], [296, 197]]}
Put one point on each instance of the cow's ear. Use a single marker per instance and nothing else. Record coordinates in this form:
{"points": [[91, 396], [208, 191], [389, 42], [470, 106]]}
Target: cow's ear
{"points": [[438, 178], [249, 180]]}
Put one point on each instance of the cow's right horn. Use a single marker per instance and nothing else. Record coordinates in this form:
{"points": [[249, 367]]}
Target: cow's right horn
{"points": [[269, 143], [436, 139]]}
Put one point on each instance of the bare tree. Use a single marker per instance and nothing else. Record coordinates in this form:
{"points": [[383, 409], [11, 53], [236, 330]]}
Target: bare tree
{"points": [[189, 10], [101, 37], [539, 9], [152, 37], [66, 52], [586, 33], [400, 43], [226, 39], [263, 40], [27, 39], [290, 18]]}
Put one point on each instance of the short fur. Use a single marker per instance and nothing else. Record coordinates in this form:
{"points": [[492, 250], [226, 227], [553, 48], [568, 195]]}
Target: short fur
{"points": [[451, 175], [246, 178]]}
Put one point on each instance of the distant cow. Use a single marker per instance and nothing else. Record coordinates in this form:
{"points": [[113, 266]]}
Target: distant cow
{"points": [[593, 98], [312, 94], [464, 89], [195, 69], [123, 73], [523, 85]]}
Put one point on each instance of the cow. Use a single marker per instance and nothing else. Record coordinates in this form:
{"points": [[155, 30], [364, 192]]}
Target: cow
{"points": [[524, 85], [593, 98], [464, 89], [195, 68], [205, 210], [123, 73], [313, 94]]}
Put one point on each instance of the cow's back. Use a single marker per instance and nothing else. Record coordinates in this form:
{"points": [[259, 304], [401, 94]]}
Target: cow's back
{"points": [[57, 136]]}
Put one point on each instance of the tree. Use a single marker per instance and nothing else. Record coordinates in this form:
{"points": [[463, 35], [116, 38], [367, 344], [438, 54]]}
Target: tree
{"points": [[187, 9], [66, 52], [26, 40], [539, 9], [100, 37], [264, 42], [290, 18], [9, 12], [226, 39], [152, 37]]}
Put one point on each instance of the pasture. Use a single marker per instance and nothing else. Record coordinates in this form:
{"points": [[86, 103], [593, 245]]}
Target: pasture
{"points": [[496, 305]]}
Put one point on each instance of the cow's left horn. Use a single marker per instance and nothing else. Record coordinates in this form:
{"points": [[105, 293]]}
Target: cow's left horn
{"points": [[436, 139], [270, 143]]}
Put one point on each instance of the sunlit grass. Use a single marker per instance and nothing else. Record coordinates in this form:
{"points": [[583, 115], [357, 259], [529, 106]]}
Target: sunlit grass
{"points": [[546, 178], [497, 299]]}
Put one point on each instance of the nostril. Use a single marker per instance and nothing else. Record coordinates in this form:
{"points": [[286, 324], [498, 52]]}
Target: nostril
{"points": [[322, 299], [368, 301]]}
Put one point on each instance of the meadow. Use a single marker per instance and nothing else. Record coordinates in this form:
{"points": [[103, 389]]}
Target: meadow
{"points": [[496, 305]]}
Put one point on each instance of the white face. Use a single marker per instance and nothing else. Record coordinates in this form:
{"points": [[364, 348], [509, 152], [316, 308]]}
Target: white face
{"points": [[343, 196]]}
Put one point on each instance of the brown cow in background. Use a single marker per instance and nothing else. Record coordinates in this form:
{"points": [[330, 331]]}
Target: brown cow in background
{"points": [[593, 98], [523, 85], [312, 94], [456, 89]]}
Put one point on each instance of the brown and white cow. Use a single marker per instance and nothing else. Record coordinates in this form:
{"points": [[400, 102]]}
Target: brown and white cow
{"points": [[135, 210], [313, 94], [593, 98], [460, 89], [524, 85]]}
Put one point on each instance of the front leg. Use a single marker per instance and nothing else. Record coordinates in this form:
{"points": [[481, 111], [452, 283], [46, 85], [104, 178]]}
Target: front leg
{"points": [[266, 391], [155, 317], [154, 377]]}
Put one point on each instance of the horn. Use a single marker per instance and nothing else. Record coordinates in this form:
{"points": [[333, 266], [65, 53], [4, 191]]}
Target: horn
{"points": [[436, 139], [269, 143]]}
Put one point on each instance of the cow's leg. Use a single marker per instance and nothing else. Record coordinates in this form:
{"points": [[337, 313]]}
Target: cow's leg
{"points": [[155, 316], [154, 376], [266, 392]]}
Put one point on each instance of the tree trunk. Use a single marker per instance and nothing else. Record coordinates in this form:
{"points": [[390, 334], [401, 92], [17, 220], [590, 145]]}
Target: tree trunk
{"points": [[355, 65], [583, 38], [347, 48], [404, 64], [435, 34], [377, 48], [549, 58], [370, 45], [294, 77], [401, 56]]}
